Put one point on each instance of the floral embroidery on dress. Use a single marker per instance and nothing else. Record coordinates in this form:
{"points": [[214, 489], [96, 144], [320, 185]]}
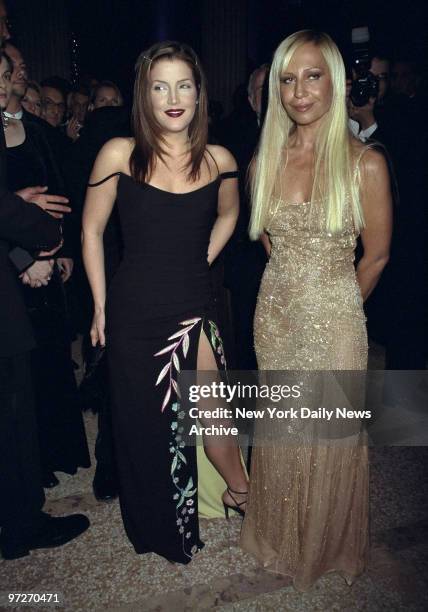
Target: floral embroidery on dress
{"points": [[173, 365], [217, 342], [183, 497], [185, 492]]}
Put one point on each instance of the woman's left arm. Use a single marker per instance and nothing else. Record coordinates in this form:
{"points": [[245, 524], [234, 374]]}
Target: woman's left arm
{"points": [[377, 208], [228, 204]]}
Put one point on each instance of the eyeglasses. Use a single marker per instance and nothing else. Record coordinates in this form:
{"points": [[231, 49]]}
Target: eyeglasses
{"points": [[51, 105]]}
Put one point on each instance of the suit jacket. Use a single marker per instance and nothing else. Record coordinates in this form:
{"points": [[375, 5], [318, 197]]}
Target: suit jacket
{"points": [[43, 137], [29, 226]]}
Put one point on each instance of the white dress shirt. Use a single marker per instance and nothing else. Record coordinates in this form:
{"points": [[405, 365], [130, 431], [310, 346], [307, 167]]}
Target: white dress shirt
{"points": [[17, 115], [363, 135]]}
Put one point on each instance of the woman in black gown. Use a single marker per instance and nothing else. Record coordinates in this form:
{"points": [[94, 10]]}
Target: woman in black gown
{"points": [[178, 204], [62, 437]]}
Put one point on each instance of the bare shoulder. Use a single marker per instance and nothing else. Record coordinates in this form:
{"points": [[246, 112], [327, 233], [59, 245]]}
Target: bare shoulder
{"points": [[373, 163], [118, 148], [375, 183], [113, 157], [224, 158]]}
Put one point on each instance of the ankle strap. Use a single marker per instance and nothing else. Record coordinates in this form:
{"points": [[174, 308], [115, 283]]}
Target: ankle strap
{"points": [[237, 492]]}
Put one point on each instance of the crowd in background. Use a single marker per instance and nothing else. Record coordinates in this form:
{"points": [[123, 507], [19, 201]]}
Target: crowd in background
{"points": [[52, 116]]}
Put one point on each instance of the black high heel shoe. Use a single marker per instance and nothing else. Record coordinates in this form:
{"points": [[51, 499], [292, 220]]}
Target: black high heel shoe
{"points": [[237, 505]]}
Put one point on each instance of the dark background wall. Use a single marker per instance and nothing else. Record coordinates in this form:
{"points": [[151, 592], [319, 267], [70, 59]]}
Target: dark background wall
{"points": [[231, 36], [41, 30]]}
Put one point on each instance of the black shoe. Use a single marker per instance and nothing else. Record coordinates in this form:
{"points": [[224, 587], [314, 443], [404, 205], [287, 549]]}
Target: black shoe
{"points": [[49, 480], [52, 532], [105, 483], [237, 507]]}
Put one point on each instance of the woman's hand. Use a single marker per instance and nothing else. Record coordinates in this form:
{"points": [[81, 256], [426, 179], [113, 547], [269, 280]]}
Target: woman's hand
{"points": [[97, 328]]}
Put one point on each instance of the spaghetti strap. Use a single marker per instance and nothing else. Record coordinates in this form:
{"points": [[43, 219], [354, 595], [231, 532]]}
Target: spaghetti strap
{"points": [[228, 175], [104, 179], [223, 175]]}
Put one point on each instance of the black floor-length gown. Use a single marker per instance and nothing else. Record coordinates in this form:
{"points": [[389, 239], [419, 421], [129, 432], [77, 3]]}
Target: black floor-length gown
{"points": [[158, 303]]}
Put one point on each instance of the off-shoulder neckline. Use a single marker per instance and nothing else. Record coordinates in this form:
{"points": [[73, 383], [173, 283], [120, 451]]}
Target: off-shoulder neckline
{"points": [[218, 179], [174, 193]]}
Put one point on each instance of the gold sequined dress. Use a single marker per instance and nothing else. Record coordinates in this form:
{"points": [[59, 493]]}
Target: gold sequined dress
{"points": [[307, 511]]}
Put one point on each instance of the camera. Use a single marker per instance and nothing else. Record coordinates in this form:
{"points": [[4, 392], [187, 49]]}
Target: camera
{"points": [[365, 85]]}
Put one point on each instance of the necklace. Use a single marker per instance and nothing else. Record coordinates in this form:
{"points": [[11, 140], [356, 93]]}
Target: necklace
{"points": [[5, 120]]}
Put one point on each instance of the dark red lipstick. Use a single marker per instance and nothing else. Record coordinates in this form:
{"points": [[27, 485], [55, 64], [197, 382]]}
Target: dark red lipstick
{"points": [[174, 112]]}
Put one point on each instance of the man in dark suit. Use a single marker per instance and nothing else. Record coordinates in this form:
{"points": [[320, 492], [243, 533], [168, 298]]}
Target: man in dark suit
{"points": [[24, 525], [245, 259], [43, 134]]}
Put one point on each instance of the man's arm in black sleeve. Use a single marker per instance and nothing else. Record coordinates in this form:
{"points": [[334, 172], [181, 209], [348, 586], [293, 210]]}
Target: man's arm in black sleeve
{"points": [[26, 224]]}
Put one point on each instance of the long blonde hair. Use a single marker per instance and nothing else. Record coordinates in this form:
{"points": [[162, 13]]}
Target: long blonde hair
{"points": [[335, 178]]}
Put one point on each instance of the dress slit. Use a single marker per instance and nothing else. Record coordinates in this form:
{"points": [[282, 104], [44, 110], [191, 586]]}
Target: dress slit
{"points": [[170, 496]]}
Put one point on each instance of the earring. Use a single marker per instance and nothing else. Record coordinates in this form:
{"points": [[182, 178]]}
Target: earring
{"points": [[197, 101]]}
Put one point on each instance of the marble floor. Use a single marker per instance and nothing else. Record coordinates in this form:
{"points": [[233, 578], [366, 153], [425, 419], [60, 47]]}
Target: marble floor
{"points": [[100, 571]]}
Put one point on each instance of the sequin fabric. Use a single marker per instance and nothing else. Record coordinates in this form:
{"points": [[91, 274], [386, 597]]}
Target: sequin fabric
{"points": [[309, 311], [307, 511]]}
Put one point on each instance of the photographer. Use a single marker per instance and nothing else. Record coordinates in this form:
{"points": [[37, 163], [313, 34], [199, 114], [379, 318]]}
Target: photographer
{"points": [[366, 104]]}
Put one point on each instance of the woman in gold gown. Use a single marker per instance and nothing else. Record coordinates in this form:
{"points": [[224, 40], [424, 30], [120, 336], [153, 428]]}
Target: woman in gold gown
{"points": [[314, 189]]}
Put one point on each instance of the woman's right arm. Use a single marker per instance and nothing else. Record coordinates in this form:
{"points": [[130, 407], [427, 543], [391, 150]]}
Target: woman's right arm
{"points": [[98, 206]]}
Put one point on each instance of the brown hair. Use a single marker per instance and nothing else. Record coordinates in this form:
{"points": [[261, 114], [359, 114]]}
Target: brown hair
{"points": [[4, 55], [34, 85], [147, 132]]}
